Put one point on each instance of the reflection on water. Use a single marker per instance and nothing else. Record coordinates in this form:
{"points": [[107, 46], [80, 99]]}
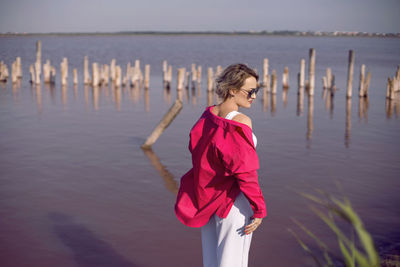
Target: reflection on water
{"points": [[273, 104], [64, 96], [363, 105], [310, 117], [348, 123], [170, 182], [393, 106], [300, 101], [285, 96]]}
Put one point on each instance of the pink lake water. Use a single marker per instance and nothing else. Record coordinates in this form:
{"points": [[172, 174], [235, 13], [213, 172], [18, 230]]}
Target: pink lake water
{"points": [[77, 190]]}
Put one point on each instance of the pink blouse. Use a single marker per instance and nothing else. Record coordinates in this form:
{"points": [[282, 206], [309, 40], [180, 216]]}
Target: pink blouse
{"points": [[225, 162]]}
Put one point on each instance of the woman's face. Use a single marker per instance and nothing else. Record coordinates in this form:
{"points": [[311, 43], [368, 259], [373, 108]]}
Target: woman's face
{"points": [[242, 96]]}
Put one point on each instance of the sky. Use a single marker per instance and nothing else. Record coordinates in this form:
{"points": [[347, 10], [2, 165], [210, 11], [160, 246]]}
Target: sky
{"points": [[41, 16]]}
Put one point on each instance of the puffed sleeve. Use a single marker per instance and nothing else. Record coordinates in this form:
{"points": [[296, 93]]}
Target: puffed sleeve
{"points": [[240, 160]]}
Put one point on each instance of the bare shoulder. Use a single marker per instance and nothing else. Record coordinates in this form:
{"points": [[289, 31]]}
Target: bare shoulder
{"points": [[242, 118]]}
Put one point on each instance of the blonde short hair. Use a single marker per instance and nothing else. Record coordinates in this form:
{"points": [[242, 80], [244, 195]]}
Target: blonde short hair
{"points": [[233, 77]]}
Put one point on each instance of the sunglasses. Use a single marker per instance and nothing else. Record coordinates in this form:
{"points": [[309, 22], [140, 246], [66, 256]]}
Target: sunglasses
{"points": [[251, 92]]}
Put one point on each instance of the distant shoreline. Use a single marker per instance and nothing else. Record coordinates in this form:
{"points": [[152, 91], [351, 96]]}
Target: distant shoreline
{"points": [[222, 33]]}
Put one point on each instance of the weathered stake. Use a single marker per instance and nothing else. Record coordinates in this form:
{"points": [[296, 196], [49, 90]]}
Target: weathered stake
{"points": [[273, 82], [210, 79], [350, 74], [362, 78], [147, 76], [311, 72], [163, 124]]}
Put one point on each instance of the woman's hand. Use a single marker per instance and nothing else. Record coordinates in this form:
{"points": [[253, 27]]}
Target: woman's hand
{"points": [[251, 227]]}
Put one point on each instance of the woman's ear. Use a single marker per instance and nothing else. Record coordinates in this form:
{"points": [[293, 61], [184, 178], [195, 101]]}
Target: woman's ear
{"points": [[231, 92]]}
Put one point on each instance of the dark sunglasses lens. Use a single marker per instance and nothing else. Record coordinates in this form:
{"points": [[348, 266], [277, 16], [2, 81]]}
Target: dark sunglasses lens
{"points": [[253, 91]]}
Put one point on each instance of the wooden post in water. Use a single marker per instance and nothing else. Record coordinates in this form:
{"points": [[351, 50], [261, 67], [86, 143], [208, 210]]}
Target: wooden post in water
{"points": [[311, 72], [165, 73], [95, 74], [112, 70], [118, 76], [38, 63], [194, 74], [397, 87], [302, 73], [46, 71], [64, 71], [362, 77], [218, 70], [3, 72], [106, 74], [52, 75], [163, 124], [75, 74], [181, 78], [14, 72], [273, 82], [328, 78], [146, 76], [199, 69], [210, 78], [86, 75], [186, 80], [265, 74], [366, 85], [169, 77], [325, 82], [285, 78], [37, 72], [19, 68], [350, 73], [33, 75]]}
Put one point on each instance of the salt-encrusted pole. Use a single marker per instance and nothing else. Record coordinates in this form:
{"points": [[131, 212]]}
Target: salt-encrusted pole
{"points": [[302, 73], [106, 74], [273, 82], [18, 67], [181, 78], [86, 75], [118, 76], [14, 72], [362, 77], [366, 85], [113, 70], [52, 75], [147, 76], [266, 75], [64, 71], [350, 73], [95, 74], [328, 78], [75, 76], [285, 78], [32, 72], [3, 72], [210, 79], [46, 71], [194, 74], [38, 63], [199, 69], [163, 124], [311, 72]]}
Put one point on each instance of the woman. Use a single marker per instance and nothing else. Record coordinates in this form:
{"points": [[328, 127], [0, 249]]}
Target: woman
{"points": [[221, 193]]}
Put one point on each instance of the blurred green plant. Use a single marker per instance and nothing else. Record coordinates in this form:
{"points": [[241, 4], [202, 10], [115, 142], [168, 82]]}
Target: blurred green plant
{"points": [[361, 253]]}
